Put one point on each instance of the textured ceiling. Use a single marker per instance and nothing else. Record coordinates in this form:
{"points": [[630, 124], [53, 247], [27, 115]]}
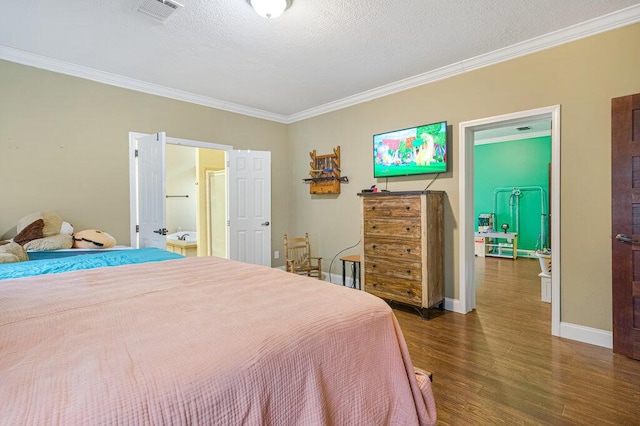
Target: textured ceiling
{"points": [[317, 52]]}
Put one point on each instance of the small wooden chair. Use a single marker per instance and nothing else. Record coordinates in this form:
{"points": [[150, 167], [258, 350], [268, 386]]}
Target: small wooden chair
{"points": [[298, 257]]}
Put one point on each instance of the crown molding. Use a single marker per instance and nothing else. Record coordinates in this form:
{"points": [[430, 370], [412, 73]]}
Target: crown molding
{"points": [[604, 23], [62, 67], [388, 89], [621, 18]]}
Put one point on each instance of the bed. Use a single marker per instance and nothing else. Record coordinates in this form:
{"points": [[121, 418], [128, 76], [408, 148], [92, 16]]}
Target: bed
{"points": [[201, 341]]}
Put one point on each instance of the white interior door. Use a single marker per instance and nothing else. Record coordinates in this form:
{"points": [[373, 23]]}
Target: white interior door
{"points": [[151, 193], [249, 180]]}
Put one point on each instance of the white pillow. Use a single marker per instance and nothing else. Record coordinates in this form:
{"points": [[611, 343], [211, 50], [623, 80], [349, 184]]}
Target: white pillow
{"points": [[66, 228]]}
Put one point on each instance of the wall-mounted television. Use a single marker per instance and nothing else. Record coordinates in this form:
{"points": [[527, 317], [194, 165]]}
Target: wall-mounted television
{"points": [[413, 151]]}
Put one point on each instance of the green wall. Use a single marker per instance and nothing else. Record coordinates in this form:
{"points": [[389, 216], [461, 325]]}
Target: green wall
{"points": [[516, 164]]}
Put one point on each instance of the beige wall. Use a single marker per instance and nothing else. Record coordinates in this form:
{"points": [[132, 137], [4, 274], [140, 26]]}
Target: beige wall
{"points": [[64, 147], [581, 76]]}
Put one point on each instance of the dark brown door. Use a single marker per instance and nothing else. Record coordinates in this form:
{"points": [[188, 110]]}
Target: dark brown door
{"points": [[625, 215]]}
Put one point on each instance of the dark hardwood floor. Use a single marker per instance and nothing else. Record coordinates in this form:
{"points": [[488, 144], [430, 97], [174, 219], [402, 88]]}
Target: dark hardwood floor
{"points": [[500, 365]]}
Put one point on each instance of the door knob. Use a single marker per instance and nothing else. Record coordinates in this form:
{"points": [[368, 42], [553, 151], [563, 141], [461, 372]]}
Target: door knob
{"points": [[161, 231], [625, 239], [266, 223]]}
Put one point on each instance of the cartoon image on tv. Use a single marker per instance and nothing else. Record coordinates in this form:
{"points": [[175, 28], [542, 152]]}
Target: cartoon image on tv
{"points": [[416, 150]]}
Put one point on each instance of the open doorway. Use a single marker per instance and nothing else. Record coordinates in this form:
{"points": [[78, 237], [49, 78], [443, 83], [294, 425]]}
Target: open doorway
{"points": [[512, 173], [248, 202], [192, 225], [468, 131]]}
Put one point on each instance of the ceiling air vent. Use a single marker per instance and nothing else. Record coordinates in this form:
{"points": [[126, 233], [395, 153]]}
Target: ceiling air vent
{"points": [[160, 10]]}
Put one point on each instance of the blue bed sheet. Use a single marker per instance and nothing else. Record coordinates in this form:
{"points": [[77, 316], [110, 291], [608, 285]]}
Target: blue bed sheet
{"points": [[84, 261], [57, 254]]}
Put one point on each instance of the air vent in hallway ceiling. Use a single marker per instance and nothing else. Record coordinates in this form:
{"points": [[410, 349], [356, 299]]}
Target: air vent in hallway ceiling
{"points": [[160, 10]]}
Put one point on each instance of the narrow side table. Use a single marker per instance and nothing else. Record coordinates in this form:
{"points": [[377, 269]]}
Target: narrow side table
{"points": [[354, 259]]}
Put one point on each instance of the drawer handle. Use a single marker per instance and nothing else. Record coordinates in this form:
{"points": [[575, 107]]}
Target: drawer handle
{"points": [[408, 229], [373, 227], [373, 208], [373, 246], [408, 271], [408, 250], [408, 208], [373, 266]]}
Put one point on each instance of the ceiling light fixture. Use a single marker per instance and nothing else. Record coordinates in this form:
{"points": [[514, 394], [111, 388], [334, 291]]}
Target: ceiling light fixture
{"points": [[270, 8]]}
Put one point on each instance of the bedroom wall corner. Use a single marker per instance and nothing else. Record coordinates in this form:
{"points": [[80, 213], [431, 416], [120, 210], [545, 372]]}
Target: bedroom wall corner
{"points": [[581, 76], [64, 143]]}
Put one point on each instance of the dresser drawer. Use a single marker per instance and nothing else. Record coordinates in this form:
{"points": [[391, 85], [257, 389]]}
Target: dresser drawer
{"points": [[397, 289], [408, 227], [390, 207], [406, 270], [407, 249]]}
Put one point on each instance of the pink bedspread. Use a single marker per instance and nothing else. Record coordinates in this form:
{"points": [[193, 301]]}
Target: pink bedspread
{"points": [[202, 341]]}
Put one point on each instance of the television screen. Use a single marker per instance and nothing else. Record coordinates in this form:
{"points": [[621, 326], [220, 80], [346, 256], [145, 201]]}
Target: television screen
{"points": [[413, 151]]}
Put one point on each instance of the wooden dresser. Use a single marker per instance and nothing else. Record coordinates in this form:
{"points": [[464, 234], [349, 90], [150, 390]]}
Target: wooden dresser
{"points": [[402, 247]]}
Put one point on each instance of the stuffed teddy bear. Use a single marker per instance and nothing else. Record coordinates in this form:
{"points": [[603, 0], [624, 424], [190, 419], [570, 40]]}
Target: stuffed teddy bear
{"points": [[43, 231], [11, 252], [93, 239]]}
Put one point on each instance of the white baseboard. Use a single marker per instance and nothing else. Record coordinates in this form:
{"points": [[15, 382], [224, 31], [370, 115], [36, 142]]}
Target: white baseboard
{"points": [[453, 305], [593, 336], [337, 279], [332, 278], [580, 333]]}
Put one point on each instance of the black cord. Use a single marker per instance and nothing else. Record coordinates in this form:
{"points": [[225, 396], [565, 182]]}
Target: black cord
{"points": [[433, 180], [337, 254]]}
